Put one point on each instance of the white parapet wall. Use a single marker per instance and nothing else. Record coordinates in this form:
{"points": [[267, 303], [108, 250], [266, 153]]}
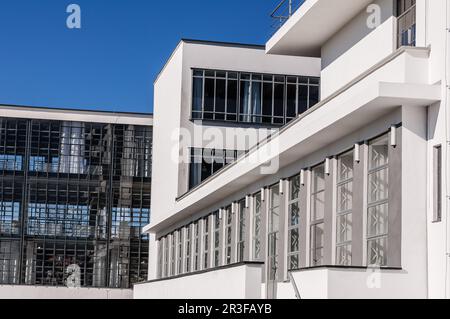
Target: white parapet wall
{"points": [[241, 281], [39, 292]]}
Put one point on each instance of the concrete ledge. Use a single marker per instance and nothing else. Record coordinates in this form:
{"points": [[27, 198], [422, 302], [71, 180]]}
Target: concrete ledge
{"points": [[237, 281]]}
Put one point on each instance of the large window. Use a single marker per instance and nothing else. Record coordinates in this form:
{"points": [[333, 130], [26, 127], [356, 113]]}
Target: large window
{"points": [[251, 98], [378, 201], [406, 19], [180, 252], [241, 230], [317, 215], [173, 256], [206, 162], [75, 194], [294, 224], [257, 226], [344, 207]]}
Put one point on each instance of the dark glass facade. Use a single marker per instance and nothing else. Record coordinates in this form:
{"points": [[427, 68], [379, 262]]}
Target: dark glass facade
{"points": [[74, 195]]}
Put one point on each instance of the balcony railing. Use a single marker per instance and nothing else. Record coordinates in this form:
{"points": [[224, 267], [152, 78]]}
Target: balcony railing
{"points": [[406, 26], [283, 11]]}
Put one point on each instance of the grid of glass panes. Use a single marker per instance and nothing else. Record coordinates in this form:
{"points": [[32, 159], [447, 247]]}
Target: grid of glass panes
{"points": [[378, 201], [206, 242], [173, 256], [166, 256], [216, 218], [228, 234], [257, 224], [274, 231], [344, 208], [251, 98], [196, 246], [317, 215], [160, 258], [188, 248], [180, 251], [241, 230], [294, 224], [207, 162]]}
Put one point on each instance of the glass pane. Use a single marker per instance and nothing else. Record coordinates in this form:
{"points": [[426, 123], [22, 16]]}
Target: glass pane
{"points": [[245, 111], [378, 186], [295, 188], [232, 98], [378, 152], [345, 197], [294, 214], [294, 240], [318, 206], [377, 252], [220, 96], [302, 99], [209, 95], [197, 94], [256, 101], [377, 220], [344, 228], [313, 95], [344, 255], [318, 178], [345, 166], [294, 262], [267, 99], [291, 110], [279, 100]]}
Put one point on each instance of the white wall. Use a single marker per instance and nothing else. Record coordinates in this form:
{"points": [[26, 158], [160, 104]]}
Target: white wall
{"points": [[239, 282], [356, 47], [37, 292]]}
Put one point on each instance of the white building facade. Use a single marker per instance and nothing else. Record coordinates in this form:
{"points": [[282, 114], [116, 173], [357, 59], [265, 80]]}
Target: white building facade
{"points": [[343, 191]]}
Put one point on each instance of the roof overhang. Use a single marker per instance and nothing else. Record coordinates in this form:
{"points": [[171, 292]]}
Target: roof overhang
{"points": [[312, 25]]}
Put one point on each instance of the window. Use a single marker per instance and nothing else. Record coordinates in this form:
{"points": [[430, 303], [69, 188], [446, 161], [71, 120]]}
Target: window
{"points": [[180, 252], [173, 255], [257, 224], [274, 231], [160, 258], [188, 248], [9, 218], [378, 206], [317, 215], [228, 234], [294, 224], [206, 243], [166, 257], [206, 162], [10, 162], [344, 208], [241, 230], [196, 246], [437, 180], [406, 17], [251, 98], [216, 218]]}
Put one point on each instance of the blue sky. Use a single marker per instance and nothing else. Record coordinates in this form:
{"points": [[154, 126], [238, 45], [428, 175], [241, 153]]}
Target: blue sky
{"points": [[109, 64]]}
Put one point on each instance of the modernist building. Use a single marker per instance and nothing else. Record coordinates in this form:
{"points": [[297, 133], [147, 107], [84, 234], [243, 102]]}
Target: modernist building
{"points": [[74, 196], [354, 96]]}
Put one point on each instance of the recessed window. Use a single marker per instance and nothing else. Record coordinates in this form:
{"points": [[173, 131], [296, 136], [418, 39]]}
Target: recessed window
{"points": [[241, 230], [317, 215], [437, 183], [257, 226], [294, 224]]}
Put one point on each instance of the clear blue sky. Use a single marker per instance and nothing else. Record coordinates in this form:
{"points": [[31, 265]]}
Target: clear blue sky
{"points": [[110, 64]]}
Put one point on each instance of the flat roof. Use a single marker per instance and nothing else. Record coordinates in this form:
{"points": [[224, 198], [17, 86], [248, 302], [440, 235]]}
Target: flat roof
{"points": [[209, 42], [75, 115]]}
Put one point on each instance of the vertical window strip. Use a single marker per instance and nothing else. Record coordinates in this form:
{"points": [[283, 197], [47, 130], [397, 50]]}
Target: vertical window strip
{"points": [[206, 242], [274, 231], [344, 209], [241, 230], [437, 183], [217, 233], [378, 201], [294, 224], [228, 234], [317, 215], [188, 248], [257, 226]]}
